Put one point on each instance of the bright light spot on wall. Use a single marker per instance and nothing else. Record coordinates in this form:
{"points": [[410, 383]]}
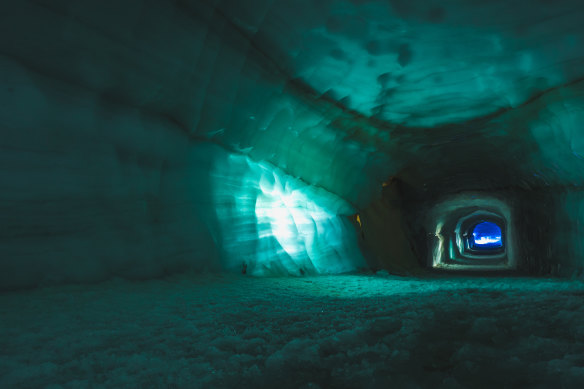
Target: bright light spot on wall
{"points": [[289, 217], [307, 232], [271, 223]]}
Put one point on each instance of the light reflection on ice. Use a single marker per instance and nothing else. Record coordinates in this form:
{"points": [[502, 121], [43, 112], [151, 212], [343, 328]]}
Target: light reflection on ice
{"points": [[272, 223], [487, 239], [292, 218]]}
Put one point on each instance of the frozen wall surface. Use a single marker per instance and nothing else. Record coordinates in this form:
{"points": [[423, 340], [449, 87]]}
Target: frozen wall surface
{"points": [[142, 138]]}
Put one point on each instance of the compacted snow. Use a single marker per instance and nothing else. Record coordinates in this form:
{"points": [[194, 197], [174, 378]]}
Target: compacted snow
{"points": [[349, 331]]}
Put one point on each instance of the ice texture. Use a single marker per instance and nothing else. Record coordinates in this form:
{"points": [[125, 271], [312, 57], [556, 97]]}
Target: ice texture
{"points": [[157, 156], [124, 125], [274, 224], [230, 331]]}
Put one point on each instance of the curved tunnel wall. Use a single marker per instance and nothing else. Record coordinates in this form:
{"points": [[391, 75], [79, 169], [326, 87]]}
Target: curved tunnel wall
{"points": [[131, 132], [117, 133]]}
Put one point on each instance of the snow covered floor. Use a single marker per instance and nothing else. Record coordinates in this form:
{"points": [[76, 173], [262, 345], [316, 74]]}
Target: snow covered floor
{"points": [[216, 331]]}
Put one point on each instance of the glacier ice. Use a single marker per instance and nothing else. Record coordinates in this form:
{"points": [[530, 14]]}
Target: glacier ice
{"points": [[276, 224]]}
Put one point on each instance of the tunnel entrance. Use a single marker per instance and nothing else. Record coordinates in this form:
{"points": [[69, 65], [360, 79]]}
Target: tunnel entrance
{"points": [[472, 232], [485, 237]]}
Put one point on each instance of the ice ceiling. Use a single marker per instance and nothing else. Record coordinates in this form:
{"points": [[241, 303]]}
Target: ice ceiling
{"points": [[142, 138]]}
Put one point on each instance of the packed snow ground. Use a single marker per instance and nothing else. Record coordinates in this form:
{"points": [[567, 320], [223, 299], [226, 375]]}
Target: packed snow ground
{"points": [[350, 331]]}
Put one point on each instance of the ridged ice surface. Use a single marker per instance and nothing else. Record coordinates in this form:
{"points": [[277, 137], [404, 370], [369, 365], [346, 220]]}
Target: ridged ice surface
{"points": [[271, 223]]}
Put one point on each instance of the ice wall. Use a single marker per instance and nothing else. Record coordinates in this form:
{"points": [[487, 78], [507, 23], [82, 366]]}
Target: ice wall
{"points": [[146, 137], [568, 247], [560, 136], [117, 120], [90, 188], [271, 223], [93, 189]]}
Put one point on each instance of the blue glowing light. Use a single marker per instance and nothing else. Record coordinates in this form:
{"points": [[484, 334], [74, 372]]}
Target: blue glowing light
{"points": [[486, 235]]}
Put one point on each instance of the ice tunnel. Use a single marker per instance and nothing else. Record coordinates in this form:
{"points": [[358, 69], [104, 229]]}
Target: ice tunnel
{"points": [[291, 193]]}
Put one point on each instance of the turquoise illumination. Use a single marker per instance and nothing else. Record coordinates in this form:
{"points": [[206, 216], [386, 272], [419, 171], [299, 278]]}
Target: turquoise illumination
{"points": [[291, 217], [272, 223]]}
